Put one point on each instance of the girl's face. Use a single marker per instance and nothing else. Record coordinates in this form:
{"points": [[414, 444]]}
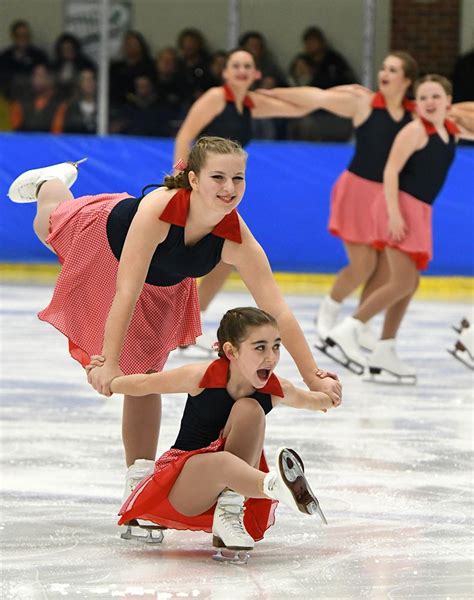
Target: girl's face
{"points": [[240, 69], [391, 76], [221, 182], [432, 102], [258, 355]]}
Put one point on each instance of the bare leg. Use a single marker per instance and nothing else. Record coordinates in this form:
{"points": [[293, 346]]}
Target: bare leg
{"points": [[207, 475], [211, 283], [141, 419], [362, 262], [394, 316], [403, 281], [379, 277], [51, 194]]}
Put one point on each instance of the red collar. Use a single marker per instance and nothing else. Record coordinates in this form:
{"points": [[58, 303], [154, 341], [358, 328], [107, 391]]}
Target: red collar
{"points": [[430, 129], [229, 97], [378, 101], [217, 374], [177, 209]]}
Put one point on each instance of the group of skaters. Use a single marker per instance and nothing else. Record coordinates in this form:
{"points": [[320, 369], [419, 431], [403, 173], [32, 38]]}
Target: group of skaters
{"points": [[136, 261]]}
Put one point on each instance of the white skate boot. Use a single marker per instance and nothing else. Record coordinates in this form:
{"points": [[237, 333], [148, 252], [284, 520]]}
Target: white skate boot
{"points": [[228, 530], [386, 367], [342, 346], [24, 188], [464, 347], [140, 469], [326, 318], [367, 338], [289, 485]]}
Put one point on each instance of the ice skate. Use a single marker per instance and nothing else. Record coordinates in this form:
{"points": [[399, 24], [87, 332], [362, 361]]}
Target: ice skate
{"points": [[289, 485], [464, 324], [326, 318], [25, 187], [203, 348], [140, 469], [384, 366], [229, 535], [342, 346], [464, 347], [367, 338]]}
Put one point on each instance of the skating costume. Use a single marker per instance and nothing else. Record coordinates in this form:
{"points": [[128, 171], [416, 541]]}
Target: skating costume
{"points": [[230, 123], [88, 235], [204, 418], [354, 193], [420, 181]]}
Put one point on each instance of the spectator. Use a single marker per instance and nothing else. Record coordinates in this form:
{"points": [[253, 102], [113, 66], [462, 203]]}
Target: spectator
{"points": [[18, 61], [69, 60], [80, 115], [301, 71], [43, 109], [255, 43], [143, 115], [217, 66], [136, 62], [463, 78], [331, 68], [194, 57], [170, 85]]}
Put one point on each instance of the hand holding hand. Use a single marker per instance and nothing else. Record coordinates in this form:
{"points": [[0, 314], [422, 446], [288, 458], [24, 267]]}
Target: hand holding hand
{"points": [[100, 373]]}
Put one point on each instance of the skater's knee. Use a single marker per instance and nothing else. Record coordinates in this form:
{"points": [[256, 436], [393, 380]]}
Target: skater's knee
{"points": [[248, 407], [363, 261]]}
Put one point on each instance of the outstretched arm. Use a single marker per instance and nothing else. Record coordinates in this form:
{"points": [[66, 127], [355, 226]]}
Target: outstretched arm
{"points": [[298, 398], [201, 113], [268, 106], [254, 268]]}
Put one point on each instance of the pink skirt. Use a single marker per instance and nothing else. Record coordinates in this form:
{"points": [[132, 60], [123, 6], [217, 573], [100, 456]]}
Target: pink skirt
{"points": [[164, 317], [149, 500], [352, 206], [417, 243]]}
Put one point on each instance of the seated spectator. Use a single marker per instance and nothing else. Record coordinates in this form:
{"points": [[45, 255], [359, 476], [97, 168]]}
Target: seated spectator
{"points": [[68, 61], [463, 78], [170, 85], [331, 68], [255, 43], [301, 71], [136, 62], [80, 115], [42, 109], [143, 114], [217, 66], [18, 61], [194, 58]]}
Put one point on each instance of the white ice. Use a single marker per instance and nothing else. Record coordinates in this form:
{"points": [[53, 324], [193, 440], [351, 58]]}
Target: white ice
{"points": [[392, 468]]}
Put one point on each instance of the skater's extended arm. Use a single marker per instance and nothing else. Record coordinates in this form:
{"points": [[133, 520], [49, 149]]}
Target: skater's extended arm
{"points": [[145, 233], [201, 113], [411, 138], [254, 268], [183, 380], [299, 398], [267, 107]]}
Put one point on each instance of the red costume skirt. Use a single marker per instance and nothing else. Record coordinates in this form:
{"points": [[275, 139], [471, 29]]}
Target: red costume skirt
{"points": [[164, 317], [417, 243], [352, 205], [149, 500]]}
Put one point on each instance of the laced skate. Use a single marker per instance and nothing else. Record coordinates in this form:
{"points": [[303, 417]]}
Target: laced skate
{"points": [[384, 366], [25, 186], [342, 346], [289, 485], [229, 535], [464, 347], [140, 469], [367, 338], [326, 318], [203, 348]]}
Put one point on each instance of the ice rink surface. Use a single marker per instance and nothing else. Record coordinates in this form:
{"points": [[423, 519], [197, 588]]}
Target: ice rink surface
{"points": [[392, 468]]}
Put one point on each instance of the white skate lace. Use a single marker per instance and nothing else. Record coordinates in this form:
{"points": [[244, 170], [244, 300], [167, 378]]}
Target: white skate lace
{"points": [[228, 516]]}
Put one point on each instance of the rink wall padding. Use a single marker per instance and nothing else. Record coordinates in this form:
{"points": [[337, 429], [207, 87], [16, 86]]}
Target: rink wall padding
{"points": [[286, 203]]}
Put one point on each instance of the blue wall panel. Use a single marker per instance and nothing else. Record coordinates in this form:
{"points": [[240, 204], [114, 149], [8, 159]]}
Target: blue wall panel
{"points": [[286, 203]]}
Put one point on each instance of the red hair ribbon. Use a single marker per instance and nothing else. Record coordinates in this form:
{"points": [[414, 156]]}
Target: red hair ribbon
{"points": [[180, 165]]}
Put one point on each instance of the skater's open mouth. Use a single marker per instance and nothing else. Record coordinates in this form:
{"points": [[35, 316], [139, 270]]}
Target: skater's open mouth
{"points": [[263, 374]]}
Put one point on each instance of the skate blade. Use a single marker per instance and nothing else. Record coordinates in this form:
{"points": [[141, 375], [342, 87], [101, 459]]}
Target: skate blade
{"points": [[463, 357], [236, 557], [464, 324], [195, 352], [152, 534], [378, 375], [293, 470], [333, 350], [78, 162]]}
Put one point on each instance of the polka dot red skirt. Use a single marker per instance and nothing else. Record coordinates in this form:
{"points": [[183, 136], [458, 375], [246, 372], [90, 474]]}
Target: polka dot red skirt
{"points": [[149, 500], [164, 317]]}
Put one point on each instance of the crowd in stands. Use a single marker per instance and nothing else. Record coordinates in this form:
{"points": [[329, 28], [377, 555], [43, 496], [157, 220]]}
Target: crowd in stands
{"points": [[151, 96]]}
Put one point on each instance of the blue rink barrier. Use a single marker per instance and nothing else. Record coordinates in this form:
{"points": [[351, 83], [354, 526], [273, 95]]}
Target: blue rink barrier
{"points": [[286, 203]]}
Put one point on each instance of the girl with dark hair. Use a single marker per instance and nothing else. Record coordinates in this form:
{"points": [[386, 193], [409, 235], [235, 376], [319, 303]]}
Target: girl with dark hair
{"points": [[69, 61], [127, 285], [216, 469]]}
